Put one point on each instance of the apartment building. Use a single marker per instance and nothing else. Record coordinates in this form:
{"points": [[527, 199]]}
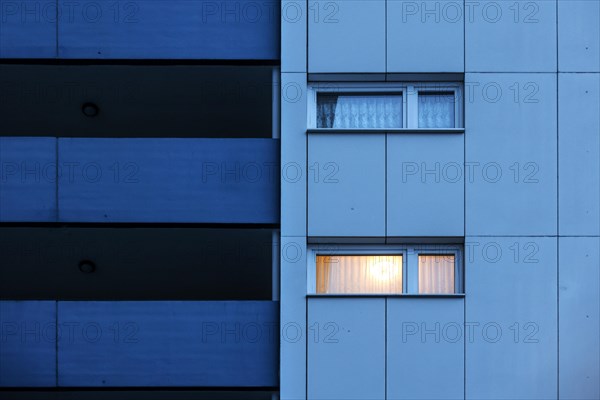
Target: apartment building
{"points": [[348, 199]]}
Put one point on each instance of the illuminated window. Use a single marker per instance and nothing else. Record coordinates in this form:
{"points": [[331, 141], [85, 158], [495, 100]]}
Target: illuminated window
{"points": [[359, 274], [417, 269], [436, 273]]}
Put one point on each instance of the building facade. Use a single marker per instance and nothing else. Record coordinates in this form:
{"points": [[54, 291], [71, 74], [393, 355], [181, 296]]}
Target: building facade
{"points": [[351, 199]]}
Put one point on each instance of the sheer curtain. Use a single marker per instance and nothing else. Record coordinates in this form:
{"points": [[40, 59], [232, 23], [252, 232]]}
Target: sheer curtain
{"points": [[436, 110], [359, 274], [359, 111], [436, 273]]}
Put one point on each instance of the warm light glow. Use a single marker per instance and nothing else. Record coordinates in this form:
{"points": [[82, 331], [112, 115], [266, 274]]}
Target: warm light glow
{"points": [[436, 274], [364, 274], [384, 269]]}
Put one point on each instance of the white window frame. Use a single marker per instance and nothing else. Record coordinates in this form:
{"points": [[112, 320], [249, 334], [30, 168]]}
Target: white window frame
{"points": [[410, 101], [410, 265]]}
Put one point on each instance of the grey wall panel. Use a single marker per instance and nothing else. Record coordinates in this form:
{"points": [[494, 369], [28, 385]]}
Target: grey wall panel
{"points": [[293, 36], [28, 29], [579, 154], [425, 36], [28, 179], [507, 36], [346, 185], [217, 344], [173, 29], [346, 36], [27, 343], [346, 348], [579, 310], [425, 185], [169, 180], [425, 348], [579, 35], [293, 318], [511, 135], [293, 155], [511, 318]]}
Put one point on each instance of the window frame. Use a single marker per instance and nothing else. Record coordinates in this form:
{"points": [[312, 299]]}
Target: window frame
{"points": [[410, 265], [410, 102]]}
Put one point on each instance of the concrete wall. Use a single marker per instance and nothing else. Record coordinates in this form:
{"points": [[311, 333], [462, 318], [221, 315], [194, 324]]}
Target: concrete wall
{"points": [[526, 205]]}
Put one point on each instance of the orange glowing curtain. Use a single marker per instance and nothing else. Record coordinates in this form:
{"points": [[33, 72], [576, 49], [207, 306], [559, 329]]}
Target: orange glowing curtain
{"points": [[436, 273], [359, 274]]}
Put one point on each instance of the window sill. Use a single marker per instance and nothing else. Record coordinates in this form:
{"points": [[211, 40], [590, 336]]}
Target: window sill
{"points": [[399, 130], [410, 295]]}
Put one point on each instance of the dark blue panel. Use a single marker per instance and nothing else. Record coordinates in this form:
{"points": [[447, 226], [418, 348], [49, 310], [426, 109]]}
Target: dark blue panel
{"points": [[27, 343], [180, 29], [27, 29], [230, 343], [27, 179], [169, 180]]}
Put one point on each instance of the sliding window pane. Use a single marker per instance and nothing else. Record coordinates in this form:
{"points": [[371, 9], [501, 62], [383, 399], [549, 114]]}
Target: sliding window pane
{"points": [[436, 273], [436, 110], [359, 111], [360, 274]]}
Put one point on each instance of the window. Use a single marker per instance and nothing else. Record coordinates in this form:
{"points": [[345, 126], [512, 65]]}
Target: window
{"points": [[359, 274], [417, 269], [387, 106]]}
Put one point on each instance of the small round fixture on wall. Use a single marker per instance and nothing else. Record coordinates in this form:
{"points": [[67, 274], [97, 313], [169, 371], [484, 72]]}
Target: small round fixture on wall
{"points": [[87, 266], [90, 109]]}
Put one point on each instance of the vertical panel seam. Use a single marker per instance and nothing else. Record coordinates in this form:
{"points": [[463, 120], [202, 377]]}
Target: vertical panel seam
{"points": [[385, 320], [56, 31], [56, 185], [306, 348], [56, 342], [557, 211]]}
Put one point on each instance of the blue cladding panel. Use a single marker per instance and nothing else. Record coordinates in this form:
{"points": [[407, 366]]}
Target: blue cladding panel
{"points": [[231, 29], [579, 306], [27, 179], [169, 180], [27, 343], [346, 349], [346, 36], [508, 36], [579, 35], [436, 32], [579, 154], [169, 344], [346, 185], [27, 29], [511, 184], [511, 312], [425, 348], [425, 185]]}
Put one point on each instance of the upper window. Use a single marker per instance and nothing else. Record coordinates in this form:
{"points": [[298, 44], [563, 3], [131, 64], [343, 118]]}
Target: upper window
{"points": [[387, 107], [415, 269]]}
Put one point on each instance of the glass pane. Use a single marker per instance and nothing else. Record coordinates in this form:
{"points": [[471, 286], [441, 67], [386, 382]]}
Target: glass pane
{"points": [[345, 111], [359, 274], [436, 110], [436, 273]]}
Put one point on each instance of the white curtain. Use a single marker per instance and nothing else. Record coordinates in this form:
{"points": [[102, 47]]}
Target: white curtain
{"points": [[436, 110], [436, 273], [359, 274], [357, 111]]}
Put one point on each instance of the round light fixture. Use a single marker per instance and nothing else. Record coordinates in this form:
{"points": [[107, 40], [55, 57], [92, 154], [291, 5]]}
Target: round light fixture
{"points": [[90, 110], [87, 266]]}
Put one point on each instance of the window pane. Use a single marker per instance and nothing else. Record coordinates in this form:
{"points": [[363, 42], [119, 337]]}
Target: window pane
{"points": [[436, 273], [436, 110], [359, 111], [359, 274]]}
